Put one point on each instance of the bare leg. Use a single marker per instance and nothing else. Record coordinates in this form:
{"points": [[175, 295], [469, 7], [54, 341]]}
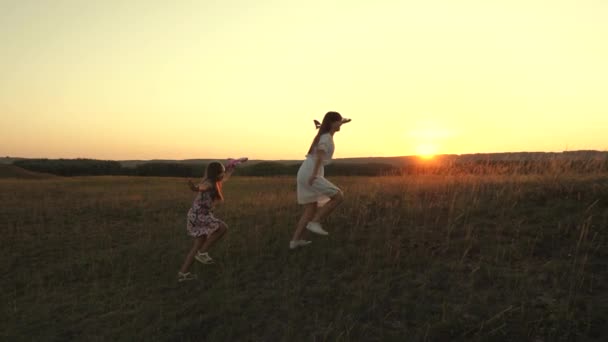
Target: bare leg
{"points": [[214, 237], [198, 242], [325, 210], [309, 211]]}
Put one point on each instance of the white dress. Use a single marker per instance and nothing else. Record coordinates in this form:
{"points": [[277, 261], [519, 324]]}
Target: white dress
{"points": [[321, 189]]}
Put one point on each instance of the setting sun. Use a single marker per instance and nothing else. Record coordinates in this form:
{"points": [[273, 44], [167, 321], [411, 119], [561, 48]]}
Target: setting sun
{"points": [[426, 151]]}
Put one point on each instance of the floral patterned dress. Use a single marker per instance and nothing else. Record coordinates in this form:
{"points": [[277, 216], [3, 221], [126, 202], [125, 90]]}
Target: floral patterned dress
{"points": [[200, 217]]}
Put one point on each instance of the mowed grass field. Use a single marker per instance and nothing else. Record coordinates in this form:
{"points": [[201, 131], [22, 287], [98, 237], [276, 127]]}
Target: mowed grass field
{"points": [[417, 258]]}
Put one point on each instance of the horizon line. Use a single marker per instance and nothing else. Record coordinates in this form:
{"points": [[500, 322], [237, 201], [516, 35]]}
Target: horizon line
{"points": [[360, 157]]}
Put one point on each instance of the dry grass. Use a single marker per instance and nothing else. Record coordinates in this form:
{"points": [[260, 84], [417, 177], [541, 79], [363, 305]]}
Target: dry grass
{"points": [[490, 257]]}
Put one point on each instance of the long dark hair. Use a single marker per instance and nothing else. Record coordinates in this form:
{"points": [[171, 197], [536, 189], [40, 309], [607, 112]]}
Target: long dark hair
{"points": [[215, 174], [328, 119]]}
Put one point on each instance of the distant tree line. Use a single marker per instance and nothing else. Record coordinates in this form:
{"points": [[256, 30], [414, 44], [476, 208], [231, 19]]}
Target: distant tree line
{"points": [[71, 167], [92, 167]]}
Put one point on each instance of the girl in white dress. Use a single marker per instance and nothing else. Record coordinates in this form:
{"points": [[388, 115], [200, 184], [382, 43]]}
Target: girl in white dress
{"points": [[318, 195]]}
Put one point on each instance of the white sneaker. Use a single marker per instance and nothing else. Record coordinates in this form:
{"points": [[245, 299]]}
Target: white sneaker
{"points": [[303, 243], [204, 258], [315, 227], [293, 244]]}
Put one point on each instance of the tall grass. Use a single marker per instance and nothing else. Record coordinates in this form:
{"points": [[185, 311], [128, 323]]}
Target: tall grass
{"points": [[423, 258]]}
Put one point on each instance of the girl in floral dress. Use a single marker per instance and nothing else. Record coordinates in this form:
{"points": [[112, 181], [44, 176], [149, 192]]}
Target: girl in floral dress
{"points": [[202, 225]]}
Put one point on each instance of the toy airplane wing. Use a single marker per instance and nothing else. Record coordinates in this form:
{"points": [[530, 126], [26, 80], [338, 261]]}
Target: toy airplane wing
{"points": [[344, 120], [232, 163]]}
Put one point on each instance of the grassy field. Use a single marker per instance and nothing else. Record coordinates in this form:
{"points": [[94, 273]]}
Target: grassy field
{"points": [[424, 258]]}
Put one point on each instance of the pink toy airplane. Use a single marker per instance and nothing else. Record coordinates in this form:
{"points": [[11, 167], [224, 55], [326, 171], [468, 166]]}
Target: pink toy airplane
{"points": [[232, 163]]}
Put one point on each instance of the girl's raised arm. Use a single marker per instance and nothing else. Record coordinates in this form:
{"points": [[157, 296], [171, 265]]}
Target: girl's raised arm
{"points": [[228, 173]]}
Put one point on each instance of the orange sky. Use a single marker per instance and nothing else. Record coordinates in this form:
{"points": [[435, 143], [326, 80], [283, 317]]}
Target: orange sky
{"points": [[198, 79]]}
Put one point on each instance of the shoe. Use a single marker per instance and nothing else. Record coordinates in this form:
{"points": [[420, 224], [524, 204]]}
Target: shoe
{"points": [[185, 276], [293, 244], [204, 258], [315, 227]]}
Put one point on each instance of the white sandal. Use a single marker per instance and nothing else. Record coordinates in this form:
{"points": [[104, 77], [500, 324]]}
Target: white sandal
{"points": [[185, 276], [293, 244], [204, 258]]}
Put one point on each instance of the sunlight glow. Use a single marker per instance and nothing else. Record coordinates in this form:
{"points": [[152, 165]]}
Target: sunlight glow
{"points": [[426, 151]]}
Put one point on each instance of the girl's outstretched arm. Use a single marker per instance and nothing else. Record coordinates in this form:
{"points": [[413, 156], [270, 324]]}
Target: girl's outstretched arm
{"points": [[228, 174], [191, 185], [204, 186]]}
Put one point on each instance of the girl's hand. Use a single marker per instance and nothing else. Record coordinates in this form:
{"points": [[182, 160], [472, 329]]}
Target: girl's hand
{"points": [[311, 180], [191, 185]]}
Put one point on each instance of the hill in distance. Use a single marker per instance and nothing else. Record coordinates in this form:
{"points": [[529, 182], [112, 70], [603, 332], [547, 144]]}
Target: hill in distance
{"points": [[12, 171]]}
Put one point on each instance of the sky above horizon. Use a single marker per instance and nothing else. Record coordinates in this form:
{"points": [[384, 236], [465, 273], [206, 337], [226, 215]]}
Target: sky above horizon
{"points": [[215, 79]]}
